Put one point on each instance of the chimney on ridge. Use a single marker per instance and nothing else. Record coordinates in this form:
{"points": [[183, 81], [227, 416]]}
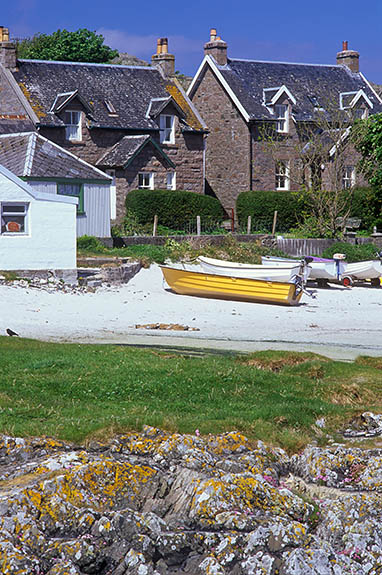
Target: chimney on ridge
{"points": [[162, 59], [7, 50], [349, 58], [217, 48]]}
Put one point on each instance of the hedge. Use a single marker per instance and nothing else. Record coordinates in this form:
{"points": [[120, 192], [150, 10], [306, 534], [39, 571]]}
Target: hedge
{"points": [[261, 205], [353, 253], [174, 208]]}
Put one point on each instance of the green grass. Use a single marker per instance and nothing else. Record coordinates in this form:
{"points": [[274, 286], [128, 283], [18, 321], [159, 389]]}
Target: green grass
{"points": [[229, 249], [72, 391]]}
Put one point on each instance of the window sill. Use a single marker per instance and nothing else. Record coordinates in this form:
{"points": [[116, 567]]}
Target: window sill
{"points": [[15, 234]]}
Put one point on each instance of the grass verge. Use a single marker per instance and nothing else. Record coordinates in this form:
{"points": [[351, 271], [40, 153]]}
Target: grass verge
{"points": [[73, 392]]}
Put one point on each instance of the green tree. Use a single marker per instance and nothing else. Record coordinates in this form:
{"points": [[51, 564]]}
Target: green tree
{"points": [[79, 46], [367, 138]]}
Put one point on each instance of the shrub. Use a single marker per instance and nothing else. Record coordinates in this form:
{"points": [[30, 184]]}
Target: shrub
{"points": [[366, 204], [89, 244], [353, 253], [175, 208], [261, 205]]}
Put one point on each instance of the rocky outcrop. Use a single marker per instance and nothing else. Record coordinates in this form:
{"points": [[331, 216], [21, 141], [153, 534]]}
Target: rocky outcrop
{"points": [[155, 503]]}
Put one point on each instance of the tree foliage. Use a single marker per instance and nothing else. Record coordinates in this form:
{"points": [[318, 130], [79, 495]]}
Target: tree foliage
{"points": [[367, 138], [79, 46]]}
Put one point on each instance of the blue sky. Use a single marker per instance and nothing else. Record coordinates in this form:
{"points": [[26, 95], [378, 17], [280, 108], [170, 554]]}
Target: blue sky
{"points": [[292, 31]]}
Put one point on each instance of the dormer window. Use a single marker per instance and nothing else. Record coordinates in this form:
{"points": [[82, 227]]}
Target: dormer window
{"points": [[282, 118], [167, 129], [73, 131]]}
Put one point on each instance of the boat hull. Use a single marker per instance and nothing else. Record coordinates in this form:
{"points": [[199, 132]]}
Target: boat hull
{"points": [[320, 268], [201, 284], [277, 273], [366, 270]]}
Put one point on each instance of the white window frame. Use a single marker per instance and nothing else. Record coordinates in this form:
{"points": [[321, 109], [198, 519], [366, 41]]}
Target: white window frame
{"points": [[167, 129], [147, 179], [73, 129], [17, 214], [282, 175], [348, 177], [282, 118], [171, 181], [113, 195]]}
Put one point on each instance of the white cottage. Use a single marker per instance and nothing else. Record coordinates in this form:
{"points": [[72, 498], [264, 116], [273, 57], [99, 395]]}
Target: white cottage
{"points": [[50, 169], [38, 230]]}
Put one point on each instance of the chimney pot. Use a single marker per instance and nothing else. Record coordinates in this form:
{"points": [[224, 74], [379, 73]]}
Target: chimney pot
{"points": [[216, 48], [164, 46], [162, 59], [7, 50], [349, 58]]}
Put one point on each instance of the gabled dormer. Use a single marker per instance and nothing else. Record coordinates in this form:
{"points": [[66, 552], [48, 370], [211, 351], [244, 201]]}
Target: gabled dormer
{"points": [[356, 102], [68, 106], [164, 111], [278, 101]]}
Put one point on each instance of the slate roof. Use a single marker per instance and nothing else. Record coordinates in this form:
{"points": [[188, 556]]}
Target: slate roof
{"points": [[32, 155], [310, 84], [124, 151], [130, 90]]}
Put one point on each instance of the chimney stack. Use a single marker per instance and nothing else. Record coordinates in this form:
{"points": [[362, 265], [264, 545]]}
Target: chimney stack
{"points": [[7, 50], [216, 48], [349, 58], [162, 59]]}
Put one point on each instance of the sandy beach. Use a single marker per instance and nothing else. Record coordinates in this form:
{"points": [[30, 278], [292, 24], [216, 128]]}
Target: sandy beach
{"points": [[341, 323]]}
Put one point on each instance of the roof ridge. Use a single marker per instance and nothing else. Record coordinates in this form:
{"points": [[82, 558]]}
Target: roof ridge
{"points": [[118, 66], [340, 66]]}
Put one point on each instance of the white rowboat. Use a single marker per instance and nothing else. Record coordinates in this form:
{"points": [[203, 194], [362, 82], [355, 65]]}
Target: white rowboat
{"points": [[278, 273], [320, 268]]}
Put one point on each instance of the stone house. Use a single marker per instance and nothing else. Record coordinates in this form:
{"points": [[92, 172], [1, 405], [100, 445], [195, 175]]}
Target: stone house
{"points": [[262, 119], [134, 122]]}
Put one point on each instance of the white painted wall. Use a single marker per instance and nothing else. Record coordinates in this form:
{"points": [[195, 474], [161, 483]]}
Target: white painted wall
{"points": [[50, 241]]}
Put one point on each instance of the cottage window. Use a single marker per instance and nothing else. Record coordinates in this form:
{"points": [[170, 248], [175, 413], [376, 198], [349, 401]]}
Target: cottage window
{"points": [[73, 131], [146, 181], [282, 175], [14, 218], [73, 190], [360, 113], [348, 177], [167, 129], [171, 181], [282, 118]]}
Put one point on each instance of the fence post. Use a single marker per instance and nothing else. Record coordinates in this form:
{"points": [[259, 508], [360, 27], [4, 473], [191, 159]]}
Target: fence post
{"points": [[198, 226], [274, 223], [155, 225], [249, 224], [232, 220]]}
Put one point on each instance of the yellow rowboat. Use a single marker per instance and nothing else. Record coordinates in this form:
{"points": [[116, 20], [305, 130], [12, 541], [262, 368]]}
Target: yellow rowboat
{"points": [[186, 282]]}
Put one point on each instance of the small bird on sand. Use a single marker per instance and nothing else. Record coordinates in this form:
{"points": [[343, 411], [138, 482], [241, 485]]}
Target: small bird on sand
{"points": [[11, 332]]}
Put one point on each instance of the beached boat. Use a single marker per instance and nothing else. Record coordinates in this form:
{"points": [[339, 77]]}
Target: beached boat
{"points": [[196, 283], [278, 273], [366, 270], [321, 268]]}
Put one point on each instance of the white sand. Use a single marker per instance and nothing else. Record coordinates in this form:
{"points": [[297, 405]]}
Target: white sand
{"points": [[341, 323]]}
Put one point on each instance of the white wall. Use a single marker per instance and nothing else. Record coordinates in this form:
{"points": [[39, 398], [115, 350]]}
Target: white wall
{"points": [[50, 241]]}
